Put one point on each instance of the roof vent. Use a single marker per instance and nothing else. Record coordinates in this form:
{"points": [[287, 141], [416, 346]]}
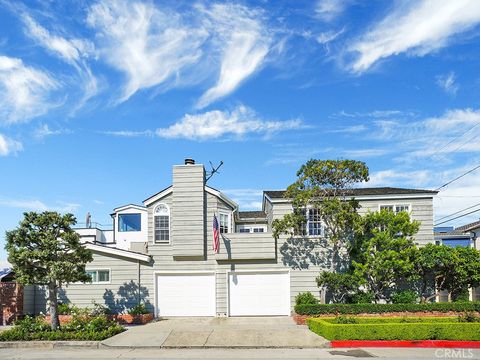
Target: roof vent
{"points": [[189, 162]]}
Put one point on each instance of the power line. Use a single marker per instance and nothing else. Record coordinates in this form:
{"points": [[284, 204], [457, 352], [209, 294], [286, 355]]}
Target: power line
{"points": [[457, 212], [451, 141], [458, 177], [458, 217]]}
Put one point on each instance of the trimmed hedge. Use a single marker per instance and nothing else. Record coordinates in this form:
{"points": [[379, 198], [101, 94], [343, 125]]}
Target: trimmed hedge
{"points": [[326, 309], [19, 335], [388, 329]]}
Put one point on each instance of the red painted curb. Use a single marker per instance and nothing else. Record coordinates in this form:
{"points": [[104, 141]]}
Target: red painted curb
{"points": [[406, 343]]}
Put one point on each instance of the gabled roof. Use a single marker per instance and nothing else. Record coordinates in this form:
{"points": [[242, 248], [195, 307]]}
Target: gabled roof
{"points": [[118, 252], [468, 227], [279, 194], [128, 206], [252, 214]]}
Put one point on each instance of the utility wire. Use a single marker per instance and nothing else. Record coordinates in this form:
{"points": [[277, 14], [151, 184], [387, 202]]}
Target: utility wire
{"points": [[451, 141], [458, 177], [457, 212], [458, 217]]}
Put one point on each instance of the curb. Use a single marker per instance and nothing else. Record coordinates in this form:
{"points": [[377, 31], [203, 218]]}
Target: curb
{"points": [[49, 344], [406, 344]]}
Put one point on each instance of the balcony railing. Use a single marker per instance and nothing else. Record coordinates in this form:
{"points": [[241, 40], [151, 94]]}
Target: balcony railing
{"points": [[246, 246]]}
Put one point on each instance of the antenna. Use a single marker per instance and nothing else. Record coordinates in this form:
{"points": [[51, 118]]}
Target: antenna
{"points": [[213, 171]]}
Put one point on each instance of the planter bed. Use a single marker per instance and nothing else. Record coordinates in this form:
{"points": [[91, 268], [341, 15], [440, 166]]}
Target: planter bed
{"points": [[302, 319], [124, 319], [396, 328]]}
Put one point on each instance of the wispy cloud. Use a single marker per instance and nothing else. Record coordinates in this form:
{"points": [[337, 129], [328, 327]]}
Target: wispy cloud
{"points": [[151, 46], [247, 199], [9, 146], [352, 129], [73, 51], [364, 153], [418, 27], [44, 131], [24, 91], [328, 10], [214, 124], [245, 43], [38, 205], [129, 133], [448, 83]]}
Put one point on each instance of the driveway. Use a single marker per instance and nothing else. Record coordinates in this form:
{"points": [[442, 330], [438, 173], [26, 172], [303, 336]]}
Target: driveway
{"points": [[241, 332]]}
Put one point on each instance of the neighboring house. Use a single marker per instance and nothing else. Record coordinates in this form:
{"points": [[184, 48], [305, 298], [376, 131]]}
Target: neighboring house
{"points": [[465, 236], [161, 253]]}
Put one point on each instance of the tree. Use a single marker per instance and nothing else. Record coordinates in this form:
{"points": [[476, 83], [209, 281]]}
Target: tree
{"points": [[340, 286], [44, 250], [326, 186], [384, 250], [453, 269]]}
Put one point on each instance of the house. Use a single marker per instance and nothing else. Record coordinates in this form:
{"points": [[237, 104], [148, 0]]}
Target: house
{"points": [[466, 236], [160, 253]]}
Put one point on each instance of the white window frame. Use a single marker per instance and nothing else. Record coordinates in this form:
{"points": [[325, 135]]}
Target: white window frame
{"points": [[229, 224], [162, 242], [395, 207], [97, 270], [251, 228]]}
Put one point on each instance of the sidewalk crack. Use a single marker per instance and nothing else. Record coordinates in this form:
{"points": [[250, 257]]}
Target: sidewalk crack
{"points": [[208, 337]]}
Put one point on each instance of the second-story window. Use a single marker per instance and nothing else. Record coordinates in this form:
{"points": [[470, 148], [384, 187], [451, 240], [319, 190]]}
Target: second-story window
{"points": [[314, 223], [161, 219], [396, 208], [129, 222], [224, 223]]}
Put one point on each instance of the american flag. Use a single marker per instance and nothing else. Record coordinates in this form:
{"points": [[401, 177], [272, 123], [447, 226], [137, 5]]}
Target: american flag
{"points": [[216, 239]]}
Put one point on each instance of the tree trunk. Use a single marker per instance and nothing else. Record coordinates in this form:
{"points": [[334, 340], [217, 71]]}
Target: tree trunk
{"points": [[52, 297]]}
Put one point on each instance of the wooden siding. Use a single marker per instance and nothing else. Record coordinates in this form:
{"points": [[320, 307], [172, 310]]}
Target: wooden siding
{"points": [[246, 246], [188, 210]]}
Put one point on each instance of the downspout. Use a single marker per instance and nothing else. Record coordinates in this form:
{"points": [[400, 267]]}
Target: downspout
{"points": [[138, 281]]}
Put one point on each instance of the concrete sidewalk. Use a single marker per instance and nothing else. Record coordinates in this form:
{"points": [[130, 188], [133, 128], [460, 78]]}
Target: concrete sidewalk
{"points": [[247, 332]]}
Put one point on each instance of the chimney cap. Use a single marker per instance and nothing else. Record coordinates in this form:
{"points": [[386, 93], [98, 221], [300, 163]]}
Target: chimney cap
{"points": [[189, 161]]}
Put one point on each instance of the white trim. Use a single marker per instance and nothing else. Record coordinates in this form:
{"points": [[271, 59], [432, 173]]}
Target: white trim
{"points": [[179, 272], [118, 252], [99, 282], [160, 195], [261, 271], [129, 206], [221, 196], [397, 204], [229, 215]]}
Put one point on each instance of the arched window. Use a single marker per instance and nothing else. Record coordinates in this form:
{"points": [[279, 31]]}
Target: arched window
{"points": [[161, 220]]}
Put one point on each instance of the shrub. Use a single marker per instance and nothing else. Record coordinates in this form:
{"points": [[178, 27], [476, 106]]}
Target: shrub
{"points": [[468, 316], [305, 298], [32, 324], [138, 310], [463, 296], [393, 329], [344, 320], [99, 309], [404, 297], [325, 309], [361, 298], [64, 309]]}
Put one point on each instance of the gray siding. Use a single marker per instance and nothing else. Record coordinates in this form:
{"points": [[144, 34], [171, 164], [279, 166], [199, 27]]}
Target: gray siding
{"points": [[246, 246], [188, 210]]}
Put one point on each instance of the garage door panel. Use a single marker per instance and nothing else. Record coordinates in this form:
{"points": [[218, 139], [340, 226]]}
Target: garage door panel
{"points": [[186, 295], [252, 294]]}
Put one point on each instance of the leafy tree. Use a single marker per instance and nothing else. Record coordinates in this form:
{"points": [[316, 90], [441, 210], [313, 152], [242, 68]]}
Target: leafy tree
{"points": [[340, 286], [453, 269], [325, 185], [44, 250], [384, 250]]}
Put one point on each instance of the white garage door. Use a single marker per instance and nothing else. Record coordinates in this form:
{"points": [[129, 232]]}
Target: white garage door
{"points": [[262, 293], [186, 295]]}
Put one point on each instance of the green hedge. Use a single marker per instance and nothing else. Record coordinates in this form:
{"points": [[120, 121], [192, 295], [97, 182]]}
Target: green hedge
{"points": [[326, 309], [430, 329], [18, 335]]}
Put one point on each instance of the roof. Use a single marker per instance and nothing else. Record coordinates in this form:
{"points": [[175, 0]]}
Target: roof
{"points": [[252, 215], [279, 194], [451, 233], [467, 227], [118, 252], [5, 272]]}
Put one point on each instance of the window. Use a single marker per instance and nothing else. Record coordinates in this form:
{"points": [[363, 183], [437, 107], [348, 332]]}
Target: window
{"points": [[224, 223], [250, 229], [313, 225], [99, 276], [396, 208], [129, 222], [258, 230], [161, 217], [244, 230]]}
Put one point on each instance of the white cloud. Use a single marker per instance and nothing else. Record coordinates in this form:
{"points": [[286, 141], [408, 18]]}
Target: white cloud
{"points": [[448, 83], [247, 199], [24, 91], [328, 10], [9, 146], [328, 36], [419, 28], [353, 129], [245, 43], [73, 51], [44, 131], [129, 133], [215, 124], [38, 205], [4, 264], [150, 46], [363, 153], [392, 177]]}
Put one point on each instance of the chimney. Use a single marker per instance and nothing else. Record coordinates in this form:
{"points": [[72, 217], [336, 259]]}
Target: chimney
{"points": [[189, 161]]}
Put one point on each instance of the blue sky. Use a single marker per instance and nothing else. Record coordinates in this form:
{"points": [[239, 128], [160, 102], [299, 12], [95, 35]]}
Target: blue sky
{"points": [[98, 99]]}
